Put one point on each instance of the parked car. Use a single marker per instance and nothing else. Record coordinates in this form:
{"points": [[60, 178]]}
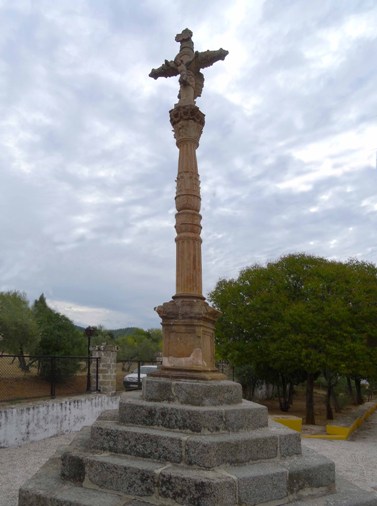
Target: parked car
{"points": [[131, 381]]}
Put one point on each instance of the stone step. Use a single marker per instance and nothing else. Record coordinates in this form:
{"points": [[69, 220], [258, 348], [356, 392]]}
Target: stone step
{"points": [[347, 494], [190, 392], [229, 418], [203, 450], [309, 471], [268, 482], [253, 483], [284, 479], [46, 488]]}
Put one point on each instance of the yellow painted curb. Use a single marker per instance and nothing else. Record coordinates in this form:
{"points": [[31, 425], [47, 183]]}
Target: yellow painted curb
{"points": [[338, 432], [293, 422]]}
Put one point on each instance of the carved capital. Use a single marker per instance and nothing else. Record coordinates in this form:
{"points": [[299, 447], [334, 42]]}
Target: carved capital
{"points": [[187, 309], [187, 122]]}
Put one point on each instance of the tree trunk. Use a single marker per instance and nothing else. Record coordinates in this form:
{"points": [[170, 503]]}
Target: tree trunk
{"points": [[329, 393], [310, 418], [283, 397], [290, 394], [359, 397], [22, 362], [335, 402], [349, 386]]}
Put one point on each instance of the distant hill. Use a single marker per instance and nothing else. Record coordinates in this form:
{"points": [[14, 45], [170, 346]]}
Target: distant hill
{"points": [[117, 332], [124, 332]]}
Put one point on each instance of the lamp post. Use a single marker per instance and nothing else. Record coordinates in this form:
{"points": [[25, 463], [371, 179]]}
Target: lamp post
{"points": [[89, 332]]}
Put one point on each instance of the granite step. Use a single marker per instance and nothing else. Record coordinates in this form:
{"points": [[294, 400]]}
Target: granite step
{"points": [[347, 494], [203, 450], [46, 488], [252, 483], [244, 416], [267, 482]]}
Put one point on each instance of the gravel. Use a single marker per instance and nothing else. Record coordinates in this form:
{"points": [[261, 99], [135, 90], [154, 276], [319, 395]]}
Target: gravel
{"points": [[356, 459]]}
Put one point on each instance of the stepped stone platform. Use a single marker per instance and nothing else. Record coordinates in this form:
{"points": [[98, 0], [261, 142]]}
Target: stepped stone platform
{"points": [[184, 442]]}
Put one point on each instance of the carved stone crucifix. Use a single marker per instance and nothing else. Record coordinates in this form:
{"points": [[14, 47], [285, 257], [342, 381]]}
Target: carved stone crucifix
{"points": [[187, 64]]}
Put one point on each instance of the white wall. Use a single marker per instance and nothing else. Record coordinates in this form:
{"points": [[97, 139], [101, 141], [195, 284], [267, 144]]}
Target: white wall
{"points": [[32, 422]]}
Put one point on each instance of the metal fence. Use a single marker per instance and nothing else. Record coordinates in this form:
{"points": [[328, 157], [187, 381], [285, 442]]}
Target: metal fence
{"points": [[32, 376]]}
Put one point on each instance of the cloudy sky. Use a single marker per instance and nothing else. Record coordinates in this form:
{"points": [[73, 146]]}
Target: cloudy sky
{"points": [[88, 160]]}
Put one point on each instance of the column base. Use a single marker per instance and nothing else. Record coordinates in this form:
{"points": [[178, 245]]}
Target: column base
{"points": [[188, 326]]}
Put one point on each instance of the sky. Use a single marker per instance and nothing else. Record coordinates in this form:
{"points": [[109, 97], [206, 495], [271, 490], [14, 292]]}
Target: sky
{"points": [[88, 161]]}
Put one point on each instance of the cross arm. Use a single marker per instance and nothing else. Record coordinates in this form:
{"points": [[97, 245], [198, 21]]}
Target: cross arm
{"points": [[208, 58], [167, 69]]}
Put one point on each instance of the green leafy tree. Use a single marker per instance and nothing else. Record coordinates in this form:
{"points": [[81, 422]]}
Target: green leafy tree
{"points": [[58, 337], [18, 328], [141, 345], [102, 336], [300, 314]]}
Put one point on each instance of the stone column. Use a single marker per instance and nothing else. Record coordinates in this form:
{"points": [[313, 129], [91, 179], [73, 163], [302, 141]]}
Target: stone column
{"points": [[188, 322], [107, 354], [188, 122]]}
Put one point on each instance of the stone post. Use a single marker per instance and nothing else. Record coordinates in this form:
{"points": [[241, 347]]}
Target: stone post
{"points": [[107, 354]]}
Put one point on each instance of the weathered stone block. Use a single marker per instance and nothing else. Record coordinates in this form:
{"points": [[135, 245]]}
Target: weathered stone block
{"points": [[172, 416], [289, 440], [46, 488], [240, 448], [128, 475], [73, 468], [195, 393], [347, 494], [197, 488], [311, 470], [260, 483], [245, 416], [140, 442]]}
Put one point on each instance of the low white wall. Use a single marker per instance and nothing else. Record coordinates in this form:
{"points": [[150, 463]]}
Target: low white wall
{"points": [[32, 422]]}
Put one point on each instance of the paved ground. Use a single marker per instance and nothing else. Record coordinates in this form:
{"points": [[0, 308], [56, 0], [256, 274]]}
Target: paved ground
{"points": [[356, 459]]}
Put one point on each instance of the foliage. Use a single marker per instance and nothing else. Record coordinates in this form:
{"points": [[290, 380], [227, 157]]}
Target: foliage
{"points": [[58, 337], [18, 328], [101, 336], [141, 345], [300, 314]]}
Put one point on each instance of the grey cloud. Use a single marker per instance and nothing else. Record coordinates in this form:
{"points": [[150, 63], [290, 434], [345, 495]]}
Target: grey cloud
{"points": [[88, 159]]}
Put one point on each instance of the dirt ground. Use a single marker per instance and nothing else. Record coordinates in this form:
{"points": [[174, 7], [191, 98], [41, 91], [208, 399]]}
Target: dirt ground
{"points": [[16, 385]]}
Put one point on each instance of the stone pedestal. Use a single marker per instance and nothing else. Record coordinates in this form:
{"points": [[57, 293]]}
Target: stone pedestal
{"points": [[194, 443], [189, 333]]}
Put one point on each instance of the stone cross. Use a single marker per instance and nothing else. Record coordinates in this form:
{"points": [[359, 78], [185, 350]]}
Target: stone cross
{"points": [[188, 322], [187, 64]]}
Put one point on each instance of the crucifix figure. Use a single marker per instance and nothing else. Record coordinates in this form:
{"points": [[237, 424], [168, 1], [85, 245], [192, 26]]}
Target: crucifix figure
{"points": [[188, 322], [187, 64]]}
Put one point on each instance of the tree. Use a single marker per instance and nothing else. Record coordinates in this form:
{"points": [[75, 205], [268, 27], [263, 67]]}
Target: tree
{"points": [[142, 345], [58, 337], [18, 328], [299, 314]]}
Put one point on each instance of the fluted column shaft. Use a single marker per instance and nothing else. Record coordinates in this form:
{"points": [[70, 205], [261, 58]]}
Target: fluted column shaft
{"points": [[188, 123]]}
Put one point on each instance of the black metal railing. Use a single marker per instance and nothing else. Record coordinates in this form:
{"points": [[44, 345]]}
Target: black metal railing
{"points": [[133, 379], [35, 376]]}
